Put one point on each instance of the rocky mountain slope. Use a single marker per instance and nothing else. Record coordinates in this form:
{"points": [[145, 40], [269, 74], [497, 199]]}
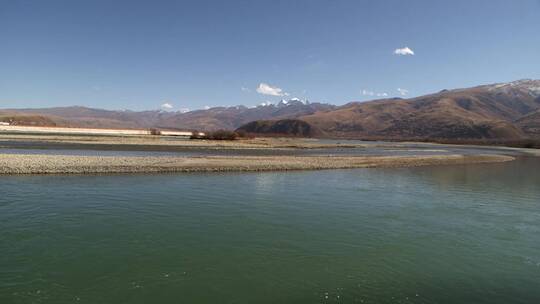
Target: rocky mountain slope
{"points": [[233, 117], [530, 123], [489, 111]]}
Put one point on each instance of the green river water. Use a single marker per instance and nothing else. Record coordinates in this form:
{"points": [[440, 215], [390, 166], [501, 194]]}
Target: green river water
{"points": [[441, 234]]}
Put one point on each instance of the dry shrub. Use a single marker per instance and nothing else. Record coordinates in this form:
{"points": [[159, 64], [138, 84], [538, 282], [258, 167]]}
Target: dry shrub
{"points": [[216, 135]]}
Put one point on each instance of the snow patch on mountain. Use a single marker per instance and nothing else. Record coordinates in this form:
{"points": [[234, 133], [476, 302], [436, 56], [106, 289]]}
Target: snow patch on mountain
{"points": [[523, 85]]}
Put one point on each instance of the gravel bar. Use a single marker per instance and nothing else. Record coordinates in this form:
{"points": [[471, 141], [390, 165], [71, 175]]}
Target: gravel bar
{"points": [[61, 164]]}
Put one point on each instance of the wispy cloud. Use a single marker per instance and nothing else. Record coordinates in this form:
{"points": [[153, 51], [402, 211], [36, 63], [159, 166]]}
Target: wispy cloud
{"points": [[367, 93], [267, 89], [167, 106], [371, 93], [402, 92], [244, 89], [406, 51]]}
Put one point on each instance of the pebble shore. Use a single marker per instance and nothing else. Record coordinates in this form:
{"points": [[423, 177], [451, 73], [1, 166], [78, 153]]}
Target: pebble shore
{"points": [[61, 164]]}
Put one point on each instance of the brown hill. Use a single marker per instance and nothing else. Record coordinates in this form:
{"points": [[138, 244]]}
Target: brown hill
{"points": [[97, 118], [27, 120], [283, 127]]}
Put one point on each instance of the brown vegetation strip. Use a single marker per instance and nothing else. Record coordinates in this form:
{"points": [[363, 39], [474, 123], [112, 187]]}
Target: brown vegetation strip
{"points": [[59, 164]]}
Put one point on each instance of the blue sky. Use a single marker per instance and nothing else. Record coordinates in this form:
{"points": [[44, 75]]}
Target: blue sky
{"points": [[191, 54]]}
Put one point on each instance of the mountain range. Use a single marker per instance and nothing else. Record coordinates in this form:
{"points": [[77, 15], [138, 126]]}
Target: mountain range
{"points": [[497, 111], [228, 118]]}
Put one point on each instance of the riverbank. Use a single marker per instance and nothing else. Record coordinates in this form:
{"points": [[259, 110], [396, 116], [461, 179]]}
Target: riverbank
{"points": [[64, 164], [162, 143], [176, 144]]}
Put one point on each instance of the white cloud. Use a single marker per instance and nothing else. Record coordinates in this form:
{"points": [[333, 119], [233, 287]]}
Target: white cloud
{"points": [[183, 110], [244, 89], [167, 106], [402, 92], [382, 94], [403, 51], [206, 107], [267, 89]]}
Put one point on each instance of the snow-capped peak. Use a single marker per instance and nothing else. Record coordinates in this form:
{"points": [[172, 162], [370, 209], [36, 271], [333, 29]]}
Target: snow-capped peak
{"points": [[292, 101], [265, 104], [522, 85]]}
